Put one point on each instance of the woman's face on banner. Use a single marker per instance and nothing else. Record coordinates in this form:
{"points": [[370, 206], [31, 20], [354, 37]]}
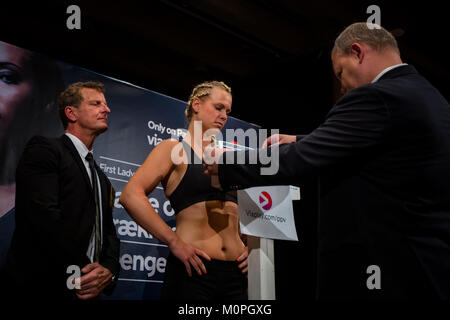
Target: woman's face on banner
{"points": [[15, 83]]}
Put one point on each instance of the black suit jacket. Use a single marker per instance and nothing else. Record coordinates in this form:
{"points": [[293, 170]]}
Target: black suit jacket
{"points": [[383, 158], [55, 215]]}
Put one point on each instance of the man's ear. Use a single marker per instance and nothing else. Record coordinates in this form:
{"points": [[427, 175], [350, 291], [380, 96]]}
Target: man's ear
{"points": [[357, 50], [70, 113]]}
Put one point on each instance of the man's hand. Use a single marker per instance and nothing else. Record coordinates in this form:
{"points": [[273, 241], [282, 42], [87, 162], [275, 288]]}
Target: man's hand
{"points": [[278, 139], [94, 280]]}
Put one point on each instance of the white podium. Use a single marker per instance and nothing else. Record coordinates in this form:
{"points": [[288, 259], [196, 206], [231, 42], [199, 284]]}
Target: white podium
{"points": [[265, 213], [261, 269]]}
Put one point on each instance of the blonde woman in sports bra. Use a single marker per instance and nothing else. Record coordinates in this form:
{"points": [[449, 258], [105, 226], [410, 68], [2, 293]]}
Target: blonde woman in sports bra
{"points": [[208, 259]]}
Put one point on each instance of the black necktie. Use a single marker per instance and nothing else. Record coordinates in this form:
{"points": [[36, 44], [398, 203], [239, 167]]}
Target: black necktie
{"points": [[97, 247]]}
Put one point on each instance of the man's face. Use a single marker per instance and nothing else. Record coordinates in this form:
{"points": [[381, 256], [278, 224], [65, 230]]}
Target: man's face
{"points": [[348, 71], [92, 114]]}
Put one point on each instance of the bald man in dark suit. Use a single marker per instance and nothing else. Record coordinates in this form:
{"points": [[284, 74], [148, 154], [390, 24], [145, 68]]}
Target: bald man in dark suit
{"points": [[383, 161]]}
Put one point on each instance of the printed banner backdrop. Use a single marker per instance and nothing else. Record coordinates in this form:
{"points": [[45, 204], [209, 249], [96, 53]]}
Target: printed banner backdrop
{"points": [[139, 120]]}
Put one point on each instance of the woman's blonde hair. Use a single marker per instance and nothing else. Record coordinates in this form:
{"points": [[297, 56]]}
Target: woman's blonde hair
{"points": [[201, 91]]}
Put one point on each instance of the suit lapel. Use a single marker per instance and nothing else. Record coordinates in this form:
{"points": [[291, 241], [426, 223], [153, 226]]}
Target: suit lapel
{"points": [[76, 156], [104, 187]]}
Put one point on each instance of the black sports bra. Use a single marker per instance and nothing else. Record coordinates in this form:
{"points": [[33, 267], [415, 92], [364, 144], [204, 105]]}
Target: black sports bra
{"points": [[195, 186]]}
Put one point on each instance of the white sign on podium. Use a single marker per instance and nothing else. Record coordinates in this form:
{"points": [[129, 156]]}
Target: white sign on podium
{"points": [[265, 213]]}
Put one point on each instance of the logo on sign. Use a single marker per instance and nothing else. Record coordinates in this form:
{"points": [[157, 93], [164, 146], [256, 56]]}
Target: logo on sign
{"points": [[265, 200]]}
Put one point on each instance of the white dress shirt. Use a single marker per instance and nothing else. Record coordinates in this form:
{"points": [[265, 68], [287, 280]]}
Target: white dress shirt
{"points": [[83, 151]]}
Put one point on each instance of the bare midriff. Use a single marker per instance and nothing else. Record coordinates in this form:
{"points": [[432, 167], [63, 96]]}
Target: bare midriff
{"points": [[212, 226]]}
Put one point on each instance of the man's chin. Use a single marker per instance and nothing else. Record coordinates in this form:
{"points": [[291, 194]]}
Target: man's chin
{"points": [[102, 129]]}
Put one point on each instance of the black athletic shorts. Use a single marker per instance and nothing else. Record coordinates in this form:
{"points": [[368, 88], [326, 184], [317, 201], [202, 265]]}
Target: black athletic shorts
{"points": [[223, 281]]}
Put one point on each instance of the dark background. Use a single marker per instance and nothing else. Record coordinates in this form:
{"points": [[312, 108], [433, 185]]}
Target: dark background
{"points": [[275, 55]]}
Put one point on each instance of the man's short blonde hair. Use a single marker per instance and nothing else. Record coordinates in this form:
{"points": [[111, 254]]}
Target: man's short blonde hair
{"points": [[72, 96], [376, 37]]}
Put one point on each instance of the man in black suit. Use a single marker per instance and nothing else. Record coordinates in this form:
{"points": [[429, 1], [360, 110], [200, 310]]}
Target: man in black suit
{"points": [[64, 208], [383, 160]]}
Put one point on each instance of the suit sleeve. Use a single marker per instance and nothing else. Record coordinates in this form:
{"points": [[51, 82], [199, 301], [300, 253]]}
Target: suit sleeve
{"points": [[111, 244], [352, 132]]}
